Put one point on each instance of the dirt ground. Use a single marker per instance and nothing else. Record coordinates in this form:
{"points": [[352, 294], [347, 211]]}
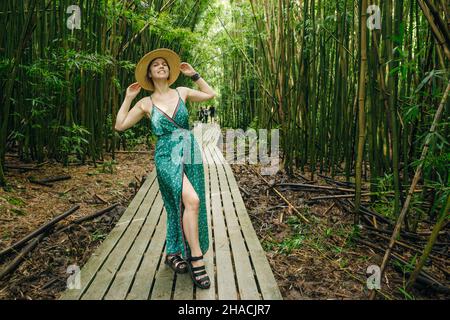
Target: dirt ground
{"points": [[27, 206], [320, 259]]}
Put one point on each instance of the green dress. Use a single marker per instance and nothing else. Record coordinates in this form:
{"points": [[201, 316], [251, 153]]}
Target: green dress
{"points": [[177, 151]]}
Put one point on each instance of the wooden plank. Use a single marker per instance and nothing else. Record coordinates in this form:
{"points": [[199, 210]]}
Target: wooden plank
{"points": [[106, 274], [266, 279], [216, 136], [94, 263], [226, 286], [140, 289], [184, 288], [208, 294], [125, 275], [206, 133], [248, 289], [165, 277], [213, 134]]}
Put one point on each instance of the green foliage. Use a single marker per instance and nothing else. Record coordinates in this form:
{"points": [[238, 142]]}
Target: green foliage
{"points": [[93, 62], [73, 140], [18, 212], [383, 203], [254, 124], [268, 245], [108, 166], [295, 223], [286, 246], [15, 201], [290, 244], [41, 74], [411, 113], [98, 235], [405, 294], [126, 65], [406, 269]]}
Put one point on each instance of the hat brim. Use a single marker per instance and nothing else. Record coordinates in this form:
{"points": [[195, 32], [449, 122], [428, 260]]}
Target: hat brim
{"points": [[173, 60]]}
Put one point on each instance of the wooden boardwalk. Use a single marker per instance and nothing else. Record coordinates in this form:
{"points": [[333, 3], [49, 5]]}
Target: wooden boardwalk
{"points": [[129, 262]]}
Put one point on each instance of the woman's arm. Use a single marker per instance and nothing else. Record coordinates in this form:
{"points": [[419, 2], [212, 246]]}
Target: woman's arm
{"points": [[205, 93], [126, 119]]}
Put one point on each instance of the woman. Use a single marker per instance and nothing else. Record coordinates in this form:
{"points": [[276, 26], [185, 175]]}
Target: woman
{"points": [[179, 165]]}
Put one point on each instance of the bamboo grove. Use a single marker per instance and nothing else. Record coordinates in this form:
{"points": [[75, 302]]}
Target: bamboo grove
{"points": [[353, 89], [61, 87], [357, 88]]}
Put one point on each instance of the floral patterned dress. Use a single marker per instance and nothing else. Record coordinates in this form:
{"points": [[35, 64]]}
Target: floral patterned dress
{"points": [[176, 152]]}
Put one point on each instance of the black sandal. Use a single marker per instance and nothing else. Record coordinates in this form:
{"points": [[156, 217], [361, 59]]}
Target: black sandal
{"points": [[196, 272], [176, 263]]}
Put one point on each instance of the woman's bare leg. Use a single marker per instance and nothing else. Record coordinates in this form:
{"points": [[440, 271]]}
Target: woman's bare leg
{"points": [[190, 220]]}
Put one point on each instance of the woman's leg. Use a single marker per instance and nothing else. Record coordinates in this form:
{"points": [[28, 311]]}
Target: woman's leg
{"points": [[190, 220]]}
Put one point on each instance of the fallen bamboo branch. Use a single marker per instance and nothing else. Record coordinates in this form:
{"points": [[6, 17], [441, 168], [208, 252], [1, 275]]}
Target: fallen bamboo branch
{"points": [[340, 196], [53, 179], [405, 234], [329, 208], [39, 231], [100, 198], [20, 167], [33, 243], [244, 191], [64, 192], [40, 183], [282, 197], [46, 181], [312, 186], [406, 245], [18, 260], [339, 183], [363, 209], [86, 218], [424, 278]]}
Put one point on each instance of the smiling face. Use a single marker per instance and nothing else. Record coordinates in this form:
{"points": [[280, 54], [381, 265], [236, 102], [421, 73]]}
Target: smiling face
{"points": [[158, 69]]}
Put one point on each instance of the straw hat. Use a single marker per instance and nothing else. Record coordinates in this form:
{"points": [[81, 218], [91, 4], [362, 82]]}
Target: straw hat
{"points": [[173, 60]]}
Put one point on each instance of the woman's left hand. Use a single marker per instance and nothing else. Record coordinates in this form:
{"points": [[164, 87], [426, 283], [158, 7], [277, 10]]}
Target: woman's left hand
{"points": [[187, 69]]}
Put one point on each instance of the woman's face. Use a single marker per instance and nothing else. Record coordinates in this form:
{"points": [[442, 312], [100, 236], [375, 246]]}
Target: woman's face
{"points": [[159, 69]]}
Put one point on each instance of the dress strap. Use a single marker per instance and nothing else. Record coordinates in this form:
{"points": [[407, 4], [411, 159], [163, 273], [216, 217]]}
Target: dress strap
{"points": [[179, 96]]}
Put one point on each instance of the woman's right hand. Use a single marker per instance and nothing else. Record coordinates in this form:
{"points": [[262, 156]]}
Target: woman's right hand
{"points": [[133, 90]]}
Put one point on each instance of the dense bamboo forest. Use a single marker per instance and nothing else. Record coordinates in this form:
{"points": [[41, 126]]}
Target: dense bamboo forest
{"points": [[358, 90]]}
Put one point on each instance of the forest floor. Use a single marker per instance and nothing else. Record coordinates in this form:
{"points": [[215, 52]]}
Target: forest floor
{"points": [[27, 206], [315, 260], [321, 259]]}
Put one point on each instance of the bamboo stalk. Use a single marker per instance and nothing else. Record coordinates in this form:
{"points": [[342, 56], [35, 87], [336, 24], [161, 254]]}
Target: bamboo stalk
{"points": [[361, 109], [413, 185], [427, 250]]}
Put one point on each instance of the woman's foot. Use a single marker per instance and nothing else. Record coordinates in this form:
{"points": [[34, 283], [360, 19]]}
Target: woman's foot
{"points": [[176, 263], [198, 272]]}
